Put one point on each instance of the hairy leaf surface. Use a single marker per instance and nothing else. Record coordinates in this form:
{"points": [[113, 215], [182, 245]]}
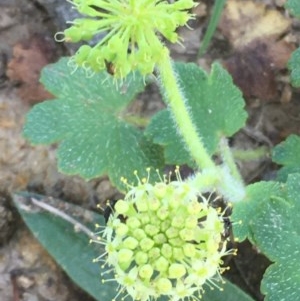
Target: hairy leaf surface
{"points": [[287, 154], [88, 121], [215, 105]]}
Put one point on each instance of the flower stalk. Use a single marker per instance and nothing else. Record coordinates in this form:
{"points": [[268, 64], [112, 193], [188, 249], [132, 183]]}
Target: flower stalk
{"points": [[178, 107]]}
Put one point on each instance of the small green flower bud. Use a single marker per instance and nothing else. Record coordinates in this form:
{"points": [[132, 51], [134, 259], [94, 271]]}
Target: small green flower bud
{"points": [[121, 207], [189, 250], [145, 219], [154, 253], [95, 59], [163, 286], [85, 9], [212, 246], [146, 244], [175, 241], [139, 234], [125, 255], [176, 270], [130, 243], [146, 271], [174, 202], [194, 207], [82, 54], [171, 36], [184, 4], [178, 254], [141, 258], [160, 190], [178, 221], [165, 225], [167, 251], [159, 239], [115, 43], [121, 229], [162, 213], [151, 230], [187, 234], [73, 35], [172, 232], [191, 222], [153, 204], [141, 205], [161, 264], [133, 222]]}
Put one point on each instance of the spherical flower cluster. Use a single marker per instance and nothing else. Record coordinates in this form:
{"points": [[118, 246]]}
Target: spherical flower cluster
{"points": [[161, 240], [132, 28]]}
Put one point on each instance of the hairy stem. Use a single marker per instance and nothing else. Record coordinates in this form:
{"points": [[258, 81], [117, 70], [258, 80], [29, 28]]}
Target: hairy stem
{"points": [[226, 178], [228, 159], [181, 114], [258, 153]]}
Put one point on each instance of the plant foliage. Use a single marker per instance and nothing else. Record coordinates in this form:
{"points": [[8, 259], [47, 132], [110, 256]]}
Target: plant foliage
{"points": [[88, 121], [287, 154], [271, 220], [294, 63], [216, 106]]}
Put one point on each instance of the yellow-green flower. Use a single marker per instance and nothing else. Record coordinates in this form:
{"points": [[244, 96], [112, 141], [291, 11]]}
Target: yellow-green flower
{"points": [[132, 29], [170, 241]]}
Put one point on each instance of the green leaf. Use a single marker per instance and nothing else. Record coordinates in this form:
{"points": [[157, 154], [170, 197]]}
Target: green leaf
{"points": [[88, 121], [294, 67], [277, 235], [162, 130], [271, 220], [245, 212], [294, 63], [287, 154], [294, 7], [71, 249], [230, 292], [216, 107]]}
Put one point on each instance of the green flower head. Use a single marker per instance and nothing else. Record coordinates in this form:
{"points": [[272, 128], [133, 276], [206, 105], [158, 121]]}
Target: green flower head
{"points": [[132, 29], [167, 243]]}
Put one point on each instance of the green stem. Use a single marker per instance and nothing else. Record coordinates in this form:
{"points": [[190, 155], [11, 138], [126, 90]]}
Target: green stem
{"points": [[225, 179], [137, 121], [251, 154], [228, 159], [181, 114]]}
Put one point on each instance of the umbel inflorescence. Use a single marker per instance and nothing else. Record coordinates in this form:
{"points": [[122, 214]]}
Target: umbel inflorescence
{"points": [[166, 243], [132, 32]]}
